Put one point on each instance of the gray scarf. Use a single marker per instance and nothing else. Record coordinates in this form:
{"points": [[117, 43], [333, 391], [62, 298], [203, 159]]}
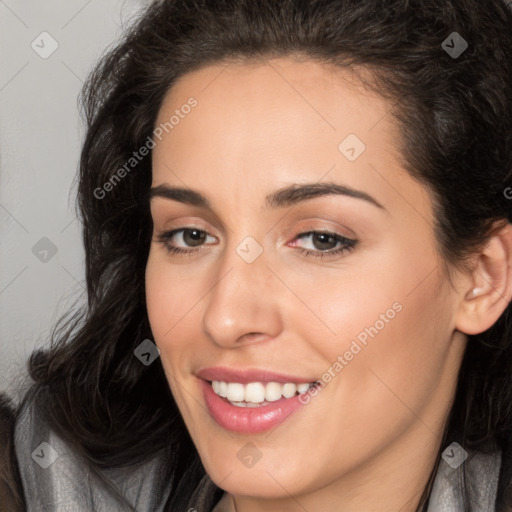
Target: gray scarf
{"points": [[55, 480]]}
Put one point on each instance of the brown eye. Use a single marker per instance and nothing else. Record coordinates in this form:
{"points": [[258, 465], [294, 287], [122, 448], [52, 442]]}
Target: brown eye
{"points": [[325, 244], [324, 241], [193, 237], [187, 240]]}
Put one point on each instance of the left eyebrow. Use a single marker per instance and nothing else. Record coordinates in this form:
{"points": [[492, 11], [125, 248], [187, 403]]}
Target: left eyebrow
{"points": [[284, 197], [293, 194]]}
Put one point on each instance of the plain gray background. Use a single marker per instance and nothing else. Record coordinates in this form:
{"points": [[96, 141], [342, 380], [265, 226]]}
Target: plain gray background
{"points": [[40, 138]]}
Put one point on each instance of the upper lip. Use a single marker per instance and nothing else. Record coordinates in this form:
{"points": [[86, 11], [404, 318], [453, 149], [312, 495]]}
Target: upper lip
{"points": [[246, 375]]}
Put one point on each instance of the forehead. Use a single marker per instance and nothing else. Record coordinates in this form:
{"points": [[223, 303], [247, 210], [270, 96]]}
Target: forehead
{"points": [[323, 95], [282, 106], [256, 126]]}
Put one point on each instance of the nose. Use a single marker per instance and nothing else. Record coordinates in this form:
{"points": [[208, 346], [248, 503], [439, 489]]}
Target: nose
{"points": [[243, 305]]}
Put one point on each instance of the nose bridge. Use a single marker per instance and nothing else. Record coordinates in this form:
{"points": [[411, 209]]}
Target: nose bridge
{"points": [[242, 300]]}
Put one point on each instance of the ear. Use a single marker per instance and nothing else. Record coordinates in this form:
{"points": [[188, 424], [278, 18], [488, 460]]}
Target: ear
{"points": [[487, 290]]}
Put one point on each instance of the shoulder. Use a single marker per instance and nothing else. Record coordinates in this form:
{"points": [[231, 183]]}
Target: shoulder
{"points": [[504, 501], [57, 477], [466, 475]]}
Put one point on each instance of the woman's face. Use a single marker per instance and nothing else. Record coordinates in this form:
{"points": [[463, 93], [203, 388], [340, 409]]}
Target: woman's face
{"points": [[361, 305]]}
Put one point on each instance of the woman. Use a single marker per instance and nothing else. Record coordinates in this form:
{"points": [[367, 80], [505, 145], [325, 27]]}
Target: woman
{"points": [[298, 261]]}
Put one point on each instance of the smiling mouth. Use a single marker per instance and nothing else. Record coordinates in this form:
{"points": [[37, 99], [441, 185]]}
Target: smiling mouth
{"points": [[257, 394]]}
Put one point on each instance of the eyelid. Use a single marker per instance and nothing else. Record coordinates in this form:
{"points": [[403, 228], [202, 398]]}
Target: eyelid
{"points": [[316, 225], [181, 224], [172, 232]]}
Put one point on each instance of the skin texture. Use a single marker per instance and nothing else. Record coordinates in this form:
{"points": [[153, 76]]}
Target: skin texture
{"points": [[369, 439]]}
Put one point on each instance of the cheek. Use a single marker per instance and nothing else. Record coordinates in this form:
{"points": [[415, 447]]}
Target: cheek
{"points": [[381, 375], [169, 296], [163, 305], [389, 357], [391, 333], [410, 357], [173, 301], [166, 309]]}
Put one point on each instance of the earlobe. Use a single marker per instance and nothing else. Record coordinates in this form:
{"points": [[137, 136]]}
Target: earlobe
{"points": [[488, 288]]}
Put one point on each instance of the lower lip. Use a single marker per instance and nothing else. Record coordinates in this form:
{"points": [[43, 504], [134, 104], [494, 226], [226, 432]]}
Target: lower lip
{"points": [[248, 420]]}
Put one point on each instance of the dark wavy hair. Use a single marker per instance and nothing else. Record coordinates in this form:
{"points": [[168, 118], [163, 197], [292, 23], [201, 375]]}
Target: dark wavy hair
{"points": [[11, 495], [455, 117]]}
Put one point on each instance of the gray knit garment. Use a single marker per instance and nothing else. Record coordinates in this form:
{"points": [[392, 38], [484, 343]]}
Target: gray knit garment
{"points": [[483, 473], [55, 480]]}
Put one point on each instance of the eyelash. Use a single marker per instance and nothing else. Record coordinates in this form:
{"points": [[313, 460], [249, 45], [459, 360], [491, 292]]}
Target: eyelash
{"points": [[348, 243]]}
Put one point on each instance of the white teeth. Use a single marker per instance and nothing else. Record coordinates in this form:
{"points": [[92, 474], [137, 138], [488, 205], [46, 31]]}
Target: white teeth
{"points": [[273, 391], [236, 392], [223, 389], [301, 388], [289, 390], [255, 394]]}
